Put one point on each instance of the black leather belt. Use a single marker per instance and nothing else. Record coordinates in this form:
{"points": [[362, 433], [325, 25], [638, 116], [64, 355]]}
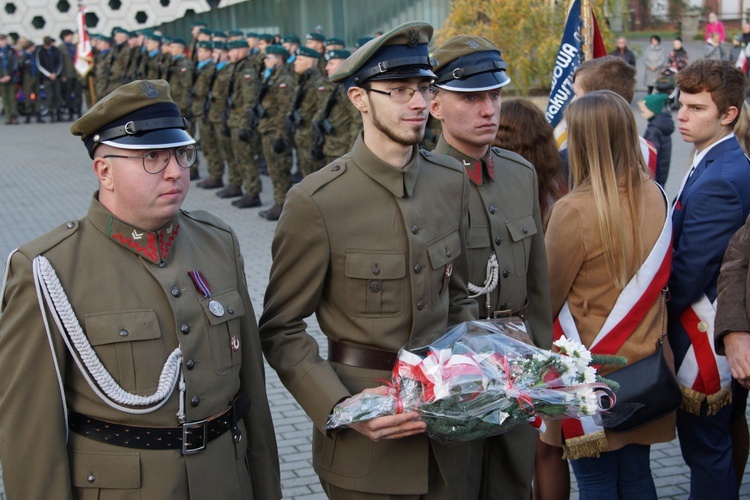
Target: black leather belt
{"points": [[363, 357], [522, 312], [188, 438]]}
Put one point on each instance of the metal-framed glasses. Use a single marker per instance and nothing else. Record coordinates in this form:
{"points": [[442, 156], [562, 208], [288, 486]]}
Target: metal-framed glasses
{"points": [[157, 160], [404, 94]]}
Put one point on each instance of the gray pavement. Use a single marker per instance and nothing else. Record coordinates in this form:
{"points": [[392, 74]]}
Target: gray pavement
{"points": [[46, 179]]}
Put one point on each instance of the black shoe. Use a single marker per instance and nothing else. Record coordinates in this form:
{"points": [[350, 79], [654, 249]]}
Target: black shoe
{"points": [[39, 119], [247, 201], [272, 213], [28, 118], [230, 192], [210, 183]]}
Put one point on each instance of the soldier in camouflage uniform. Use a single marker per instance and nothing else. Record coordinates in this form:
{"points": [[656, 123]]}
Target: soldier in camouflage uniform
{"points": [[117, 61], [165, 58], [204, 77], [217, 116], [180, 78], [137, 54], [337, 123], [274, 108], [102, 61], [316, 41], [150, 61], [310, 97]]}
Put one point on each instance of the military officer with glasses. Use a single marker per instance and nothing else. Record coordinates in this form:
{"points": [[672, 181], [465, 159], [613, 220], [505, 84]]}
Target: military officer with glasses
{"points": [[374, 244], [128, 344]]}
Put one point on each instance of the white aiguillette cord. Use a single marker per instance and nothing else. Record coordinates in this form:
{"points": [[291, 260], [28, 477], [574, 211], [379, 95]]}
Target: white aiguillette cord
{"points": [[490, 282], [50, 290]]}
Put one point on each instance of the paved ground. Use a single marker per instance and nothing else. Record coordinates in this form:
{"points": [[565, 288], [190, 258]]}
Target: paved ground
{"points": [[46, 179]]}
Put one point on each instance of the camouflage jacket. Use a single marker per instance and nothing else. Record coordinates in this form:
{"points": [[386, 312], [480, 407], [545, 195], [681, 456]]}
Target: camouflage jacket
{"points": [[180, 78], [245, 92], [219, 93], [343, 117], [311, 97], [201, 88]]}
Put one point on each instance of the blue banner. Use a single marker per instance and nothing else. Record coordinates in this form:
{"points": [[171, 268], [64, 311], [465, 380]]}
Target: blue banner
{"points": [[568, 60]]}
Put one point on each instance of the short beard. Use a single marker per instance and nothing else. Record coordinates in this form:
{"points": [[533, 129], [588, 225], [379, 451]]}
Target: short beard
{"points": [[404, 138]]}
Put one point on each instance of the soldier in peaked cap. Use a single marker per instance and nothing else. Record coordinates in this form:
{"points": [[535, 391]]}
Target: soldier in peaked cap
{"points": [[369, 266], [506, 226], [145, 352]]}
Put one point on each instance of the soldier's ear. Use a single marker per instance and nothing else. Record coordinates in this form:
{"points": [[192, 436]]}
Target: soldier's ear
{"points": [[358, 97], [435, 110], [103, 171]]}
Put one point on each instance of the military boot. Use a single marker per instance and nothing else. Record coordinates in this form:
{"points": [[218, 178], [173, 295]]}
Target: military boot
{"points": [[272, 213]]}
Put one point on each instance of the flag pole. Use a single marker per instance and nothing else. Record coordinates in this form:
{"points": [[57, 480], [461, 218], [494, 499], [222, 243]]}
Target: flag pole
{"points": [[587, 32]]}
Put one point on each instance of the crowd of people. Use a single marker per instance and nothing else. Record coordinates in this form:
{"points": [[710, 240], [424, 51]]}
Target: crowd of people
{"points": [[385, 242]]}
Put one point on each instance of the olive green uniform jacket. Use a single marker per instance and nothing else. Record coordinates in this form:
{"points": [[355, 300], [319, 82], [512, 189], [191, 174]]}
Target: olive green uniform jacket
{"points": [[505, 220], [278, 103], [369, 249], [135, 302]]}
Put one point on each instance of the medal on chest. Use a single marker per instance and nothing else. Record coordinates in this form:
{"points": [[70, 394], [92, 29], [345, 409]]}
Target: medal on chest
{"points": [[203, 287]]}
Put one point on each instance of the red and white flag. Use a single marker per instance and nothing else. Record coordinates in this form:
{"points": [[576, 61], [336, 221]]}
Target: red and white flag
{"points": [[84, 60], [742, 61]]}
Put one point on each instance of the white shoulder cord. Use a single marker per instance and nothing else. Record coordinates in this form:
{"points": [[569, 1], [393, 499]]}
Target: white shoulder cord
{"points": [[490, 282], [111, 393]]}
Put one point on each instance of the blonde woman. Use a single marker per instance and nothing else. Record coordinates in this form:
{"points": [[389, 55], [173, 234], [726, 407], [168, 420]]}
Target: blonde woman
{"points": [[603, 235]]}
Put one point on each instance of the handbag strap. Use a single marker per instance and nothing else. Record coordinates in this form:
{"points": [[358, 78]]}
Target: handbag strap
{"points": [[663, 308]]}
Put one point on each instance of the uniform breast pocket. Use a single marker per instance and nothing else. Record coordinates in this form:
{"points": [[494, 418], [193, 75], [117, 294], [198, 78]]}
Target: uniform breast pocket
{"points": [[443, 252], [125, 340], [224, 330], [521, 230], [375, 283]]}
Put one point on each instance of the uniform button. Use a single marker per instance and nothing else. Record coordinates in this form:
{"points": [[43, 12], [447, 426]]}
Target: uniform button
{"points": [[376, 270], [185, 328], [525, 230], [374, 286], [420, 305], [124, 333], [230, 310], [417, 268], [447, 253], [335, 168], [504, 305], [491, 209], [70, 225], [91, 478], [414, 229], [190, 364], [195, 401], [498, 240], [176, 292], [506, 273]]}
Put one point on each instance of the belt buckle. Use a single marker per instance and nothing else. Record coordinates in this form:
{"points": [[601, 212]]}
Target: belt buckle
{"points": [[505, 313], [186, 431]]}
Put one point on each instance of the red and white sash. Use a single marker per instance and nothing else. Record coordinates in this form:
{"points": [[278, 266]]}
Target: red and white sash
{"points": [[631, 307], [703, 374]]}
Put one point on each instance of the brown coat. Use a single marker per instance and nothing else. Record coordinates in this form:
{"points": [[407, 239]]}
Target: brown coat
{"points": [[732, 306], [578, 274]]}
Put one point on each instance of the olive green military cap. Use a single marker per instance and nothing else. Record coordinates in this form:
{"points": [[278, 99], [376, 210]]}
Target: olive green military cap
{"points": [[398, 54], [179, 41], [266, 37], [468, 63], [137, 115], [307, 52], [290, 39]]}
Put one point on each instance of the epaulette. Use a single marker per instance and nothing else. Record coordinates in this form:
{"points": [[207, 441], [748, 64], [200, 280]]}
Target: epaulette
{"points": [[325, 175], [51, 239], [514, 157], [206, 218], [442, 160]]}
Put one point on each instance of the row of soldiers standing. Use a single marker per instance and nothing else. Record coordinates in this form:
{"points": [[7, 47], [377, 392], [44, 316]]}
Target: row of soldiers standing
{"points": [[250, 100]]}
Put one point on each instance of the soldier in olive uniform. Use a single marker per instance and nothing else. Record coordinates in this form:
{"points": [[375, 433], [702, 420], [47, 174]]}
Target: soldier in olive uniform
{"points": [[272, 110], [246, 87], [204, 77], [165, 60], [117, 61], [311, 96], [101, 65], [133, 329], [375, 245], [180, 78], [71, 84], [316, 41], [506, 227], [30, 82], [150, 63], [337, 123], [218, 116]]}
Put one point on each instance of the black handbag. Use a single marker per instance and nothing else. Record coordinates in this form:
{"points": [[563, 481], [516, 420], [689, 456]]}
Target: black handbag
{"points": [[648, 385]]}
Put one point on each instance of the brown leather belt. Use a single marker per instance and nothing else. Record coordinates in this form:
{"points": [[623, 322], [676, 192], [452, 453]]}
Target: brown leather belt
{"points": [[188, 438], [522, 312], [363, 357]]}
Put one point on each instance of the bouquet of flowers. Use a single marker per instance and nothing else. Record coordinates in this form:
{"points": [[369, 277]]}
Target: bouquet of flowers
{"points": [[478, 379]]}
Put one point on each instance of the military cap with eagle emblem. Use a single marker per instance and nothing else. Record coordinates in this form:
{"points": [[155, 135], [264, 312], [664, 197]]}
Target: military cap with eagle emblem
{"points": [[469, 63], [138, 115], [398, 54]]}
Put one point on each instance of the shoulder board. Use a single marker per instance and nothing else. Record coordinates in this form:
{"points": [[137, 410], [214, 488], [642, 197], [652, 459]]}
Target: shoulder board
{"points": [[50, 240], [510, 155], [442, 160], [206, 218], [325, 175]]}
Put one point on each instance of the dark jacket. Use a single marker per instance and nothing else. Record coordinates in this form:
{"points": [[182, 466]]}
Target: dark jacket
{"points": [[48, 61], [626, 55], [9, 62], [659, 132], [732, 305]]}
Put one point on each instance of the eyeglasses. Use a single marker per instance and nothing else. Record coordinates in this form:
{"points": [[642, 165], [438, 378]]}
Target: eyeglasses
{"points": [[404, 94], [157, 160]]}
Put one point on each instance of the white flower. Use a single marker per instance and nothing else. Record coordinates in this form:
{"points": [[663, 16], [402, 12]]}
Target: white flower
{"points": [[589, 401]]}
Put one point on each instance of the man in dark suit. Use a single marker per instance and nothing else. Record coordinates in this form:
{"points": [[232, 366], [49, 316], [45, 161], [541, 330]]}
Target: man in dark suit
{"points": [[713, 203]]}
